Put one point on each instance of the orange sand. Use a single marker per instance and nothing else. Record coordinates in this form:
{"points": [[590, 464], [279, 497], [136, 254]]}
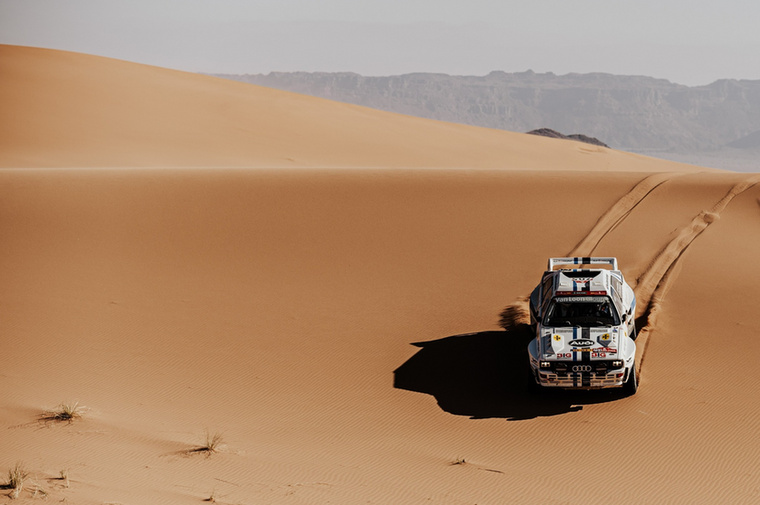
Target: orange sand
{"points": [[279, 307]]}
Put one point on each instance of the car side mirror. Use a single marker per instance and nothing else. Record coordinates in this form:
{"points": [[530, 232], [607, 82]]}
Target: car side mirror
{"points": [[625, 317]]}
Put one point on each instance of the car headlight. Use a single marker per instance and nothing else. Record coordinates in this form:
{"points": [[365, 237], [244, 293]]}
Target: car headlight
{"points": [[618, 363], [545, 364]]}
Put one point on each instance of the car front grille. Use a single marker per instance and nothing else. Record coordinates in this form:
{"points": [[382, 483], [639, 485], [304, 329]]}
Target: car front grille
{"points": [[597, 367]]}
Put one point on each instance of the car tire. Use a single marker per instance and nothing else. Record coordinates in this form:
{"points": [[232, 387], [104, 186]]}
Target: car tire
{"points": [[632, 384], [530, 378]]}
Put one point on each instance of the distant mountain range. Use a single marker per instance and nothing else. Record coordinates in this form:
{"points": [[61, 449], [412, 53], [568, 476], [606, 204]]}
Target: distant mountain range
{"points": [[717, 122]]}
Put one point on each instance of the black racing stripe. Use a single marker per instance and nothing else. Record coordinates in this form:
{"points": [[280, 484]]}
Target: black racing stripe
{"points": [[586, 335], [586, 260], [575, 358]]}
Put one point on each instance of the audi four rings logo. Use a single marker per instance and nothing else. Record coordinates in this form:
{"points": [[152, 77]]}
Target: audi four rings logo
{"points": [[581, 368]]}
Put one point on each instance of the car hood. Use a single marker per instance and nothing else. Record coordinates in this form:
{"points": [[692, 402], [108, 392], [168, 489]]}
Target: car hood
{"points": [[565, 343]]}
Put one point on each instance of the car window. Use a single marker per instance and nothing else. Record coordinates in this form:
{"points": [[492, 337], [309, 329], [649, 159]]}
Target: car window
{"points": [[581, 311]]}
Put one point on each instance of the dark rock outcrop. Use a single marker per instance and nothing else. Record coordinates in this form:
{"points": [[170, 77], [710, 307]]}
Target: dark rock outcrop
{"points": [[548, 132]]}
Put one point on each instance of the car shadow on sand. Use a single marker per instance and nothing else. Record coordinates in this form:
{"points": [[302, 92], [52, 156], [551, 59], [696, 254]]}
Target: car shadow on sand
{"points": [[484, 375]]}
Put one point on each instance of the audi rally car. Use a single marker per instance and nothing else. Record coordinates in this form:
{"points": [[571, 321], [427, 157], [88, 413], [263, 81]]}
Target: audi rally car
{"points": [[584, 324]]}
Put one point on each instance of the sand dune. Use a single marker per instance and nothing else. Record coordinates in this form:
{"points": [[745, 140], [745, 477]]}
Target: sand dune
{"points": [[72, 110], [340, 328]]}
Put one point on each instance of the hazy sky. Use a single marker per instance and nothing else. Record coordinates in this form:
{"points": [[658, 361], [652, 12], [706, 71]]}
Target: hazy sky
{"points": [[685, 41]]}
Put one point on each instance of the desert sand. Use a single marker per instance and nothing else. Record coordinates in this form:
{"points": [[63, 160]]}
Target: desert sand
{"points": [[320, 284]]}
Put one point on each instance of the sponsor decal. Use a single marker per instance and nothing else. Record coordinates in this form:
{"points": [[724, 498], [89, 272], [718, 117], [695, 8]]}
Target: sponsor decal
{"points": [[581, 342], [586, 349], [564, 355], [598, 354], [606, 337], [557, 338], [581, 296]]}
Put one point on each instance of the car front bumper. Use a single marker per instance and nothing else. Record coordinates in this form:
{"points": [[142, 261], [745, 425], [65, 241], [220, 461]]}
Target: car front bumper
{"points": [[550, 379]]}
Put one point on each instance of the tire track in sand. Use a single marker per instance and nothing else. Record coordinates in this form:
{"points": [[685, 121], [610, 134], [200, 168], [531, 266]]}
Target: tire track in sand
{"points": [[652, 285], [656, 280], [619, 211], [518, 312]]}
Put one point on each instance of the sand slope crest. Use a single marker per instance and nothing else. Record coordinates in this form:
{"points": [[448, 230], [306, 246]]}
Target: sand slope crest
{"points": [[63, 109]]}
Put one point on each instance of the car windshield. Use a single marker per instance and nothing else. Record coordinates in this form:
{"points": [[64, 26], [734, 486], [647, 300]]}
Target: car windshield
{"points": [[581, 311]]}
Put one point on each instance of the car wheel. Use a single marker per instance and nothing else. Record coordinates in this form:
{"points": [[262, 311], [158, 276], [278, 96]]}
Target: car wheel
{"points": [[632, 384], [533, 387]]}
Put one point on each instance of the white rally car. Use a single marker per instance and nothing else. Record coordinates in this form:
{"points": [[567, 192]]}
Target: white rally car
{"points": [[585, 329]]}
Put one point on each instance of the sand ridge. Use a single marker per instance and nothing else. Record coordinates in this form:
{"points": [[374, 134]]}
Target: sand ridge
{"points": [[73, 110]]}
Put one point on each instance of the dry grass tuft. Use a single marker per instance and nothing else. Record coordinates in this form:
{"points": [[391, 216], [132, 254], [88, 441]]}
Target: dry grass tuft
{"points": [[38, 491], [212, 441], [65, 477], [16, 478], [212, 445], [65, 412]]}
